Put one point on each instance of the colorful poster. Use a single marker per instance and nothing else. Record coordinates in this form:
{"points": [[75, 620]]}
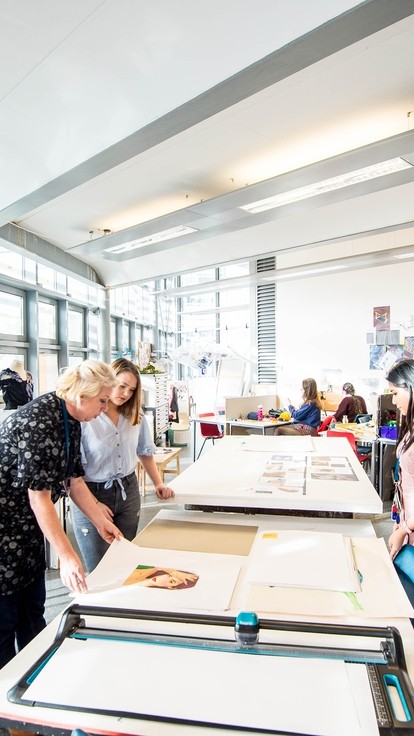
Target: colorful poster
{"points": [[382, 318], [408, 353]]}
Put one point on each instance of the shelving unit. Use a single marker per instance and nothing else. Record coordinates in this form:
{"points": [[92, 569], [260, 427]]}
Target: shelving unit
{"points": [[155, 391]]}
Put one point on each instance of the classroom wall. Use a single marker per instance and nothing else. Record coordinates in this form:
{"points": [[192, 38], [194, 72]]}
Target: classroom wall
{"points": [[322, 325]]}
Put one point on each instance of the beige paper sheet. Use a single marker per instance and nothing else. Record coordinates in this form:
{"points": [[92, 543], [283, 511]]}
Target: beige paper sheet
{"points": [[197, 536]]}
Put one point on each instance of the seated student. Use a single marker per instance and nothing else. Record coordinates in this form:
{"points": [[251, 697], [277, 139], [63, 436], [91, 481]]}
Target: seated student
{"points": [[351, 405], [308, 417]]}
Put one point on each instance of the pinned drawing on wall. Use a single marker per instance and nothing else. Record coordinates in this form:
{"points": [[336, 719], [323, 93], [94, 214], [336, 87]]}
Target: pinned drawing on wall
{"points": [[383, 357], [382, 318], [408, 352]]}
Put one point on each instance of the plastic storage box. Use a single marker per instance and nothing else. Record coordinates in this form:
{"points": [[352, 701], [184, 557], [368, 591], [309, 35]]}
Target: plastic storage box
{"points": [[389, 432]]}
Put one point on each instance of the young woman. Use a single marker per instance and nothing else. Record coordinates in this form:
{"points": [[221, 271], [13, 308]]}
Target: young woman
{"points": [[110, 446], [351, 404], [401, 383], [40, 452], [308, 417]]}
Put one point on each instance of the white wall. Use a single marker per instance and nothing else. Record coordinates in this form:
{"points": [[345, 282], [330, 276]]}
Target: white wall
{"points": [[322, 323]]}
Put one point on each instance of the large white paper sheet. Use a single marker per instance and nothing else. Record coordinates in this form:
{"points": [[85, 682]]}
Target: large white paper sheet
{"points": [[257, 443], [303, 559], [194, 580], [297, 694], [381, 594]]}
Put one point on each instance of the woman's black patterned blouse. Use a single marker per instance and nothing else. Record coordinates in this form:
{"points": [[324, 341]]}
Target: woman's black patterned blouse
{"points": [[33, 454]]}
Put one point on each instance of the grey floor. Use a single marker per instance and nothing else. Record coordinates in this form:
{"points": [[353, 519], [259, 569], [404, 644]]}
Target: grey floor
{"points": [[57, 594]]}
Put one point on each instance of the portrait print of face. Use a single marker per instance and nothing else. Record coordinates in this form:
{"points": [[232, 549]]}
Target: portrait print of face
{"points": [[167, 578]]}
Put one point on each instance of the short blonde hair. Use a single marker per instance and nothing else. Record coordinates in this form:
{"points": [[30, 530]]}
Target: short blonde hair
{"points": [[85, 380]]}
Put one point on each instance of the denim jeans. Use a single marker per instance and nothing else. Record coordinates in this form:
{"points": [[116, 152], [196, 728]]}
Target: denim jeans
{"points": [[126, 516], [21, 618]]}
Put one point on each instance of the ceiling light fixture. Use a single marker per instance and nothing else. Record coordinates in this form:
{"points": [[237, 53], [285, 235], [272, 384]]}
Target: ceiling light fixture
{"points": [[405, 255], [328, 185], [298, 274], [172, 232]]}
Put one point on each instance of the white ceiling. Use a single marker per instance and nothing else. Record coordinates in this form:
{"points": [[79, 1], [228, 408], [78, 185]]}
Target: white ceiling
{"points": [[136, 116]]}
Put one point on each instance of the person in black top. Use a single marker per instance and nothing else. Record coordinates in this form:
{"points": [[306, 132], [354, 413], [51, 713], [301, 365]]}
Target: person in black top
{"points": [[16, 385], [39, 453]]}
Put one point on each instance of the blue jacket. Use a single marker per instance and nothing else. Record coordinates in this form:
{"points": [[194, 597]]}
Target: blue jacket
{"points": [[309, 414]]}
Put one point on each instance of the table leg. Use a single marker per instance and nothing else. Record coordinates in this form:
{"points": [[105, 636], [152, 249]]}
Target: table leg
{"points": [[373, 462], [194, 441]]}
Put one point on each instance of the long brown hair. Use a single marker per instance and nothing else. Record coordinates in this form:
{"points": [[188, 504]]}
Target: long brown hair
{"points": [[132, 408], [310, 392], [402, 376], [349, 389]]}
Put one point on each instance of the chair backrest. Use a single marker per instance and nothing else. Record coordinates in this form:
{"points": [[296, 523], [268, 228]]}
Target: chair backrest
{"points": [[207, 429], [325, 424], [350, 437], [362, 418]]}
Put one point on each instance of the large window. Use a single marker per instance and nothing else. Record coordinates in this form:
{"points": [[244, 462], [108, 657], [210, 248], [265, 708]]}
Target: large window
{"points": [[47, 321], [76, 331], [12, 314]]}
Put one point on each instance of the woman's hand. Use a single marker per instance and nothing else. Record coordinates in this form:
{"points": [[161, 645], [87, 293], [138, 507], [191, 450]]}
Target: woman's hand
{"points": [[164, 492], [107, 529], [107, 512], [71, 573], [396, 540]]}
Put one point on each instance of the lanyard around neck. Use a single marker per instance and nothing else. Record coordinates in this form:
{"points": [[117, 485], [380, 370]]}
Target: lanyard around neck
{"points": [[69, 459]]}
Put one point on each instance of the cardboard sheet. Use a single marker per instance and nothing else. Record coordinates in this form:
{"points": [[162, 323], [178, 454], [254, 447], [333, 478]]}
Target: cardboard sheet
{"points": [[231, 539]]}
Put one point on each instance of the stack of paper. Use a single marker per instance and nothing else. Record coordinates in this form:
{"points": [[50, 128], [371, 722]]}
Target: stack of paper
{"points": [[303, 559]]}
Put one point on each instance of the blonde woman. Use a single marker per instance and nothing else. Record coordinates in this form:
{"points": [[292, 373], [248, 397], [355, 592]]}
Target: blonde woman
{"points": [[111, 445], [40, 454]]}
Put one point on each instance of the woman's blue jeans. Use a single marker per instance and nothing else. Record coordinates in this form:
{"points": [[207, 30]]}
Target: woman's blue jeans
{"points": [[126, 517]]}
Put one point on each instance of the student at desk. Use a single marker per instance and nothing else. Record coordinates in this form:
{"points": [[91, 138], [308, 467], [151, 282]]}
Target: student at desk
{"points": [[351, 405], [401, 383], [111, 444], [308, 417]]}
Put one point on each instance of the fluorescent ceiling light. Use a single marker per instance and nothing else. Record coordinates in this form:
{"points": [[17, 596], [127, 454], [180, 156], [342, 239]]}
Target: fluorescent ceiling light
{"points": [[172, 232], [328, 185], [308, 272], [405, 255]]}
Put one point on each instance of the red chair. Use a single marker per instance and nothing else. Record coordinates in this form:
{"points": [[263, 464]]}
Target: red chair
{"points": [[325, 423], [351, 439], [209, 431]]}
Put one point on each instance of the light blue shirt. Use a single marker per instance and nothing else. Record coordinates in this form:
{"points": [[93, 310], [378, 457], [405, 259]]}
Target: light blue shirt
{"points": [[110, 451]]}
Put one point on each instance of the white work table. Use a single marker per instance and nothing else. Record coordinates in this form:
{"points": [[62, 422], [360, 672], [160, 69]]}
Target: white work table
{"points": [[231, 475], [59, 721]]}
